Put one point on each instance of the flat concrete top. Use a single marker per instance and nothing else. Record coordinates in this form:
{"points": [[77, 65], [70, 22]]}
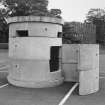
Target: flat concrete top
{"points": [[35, 19]]}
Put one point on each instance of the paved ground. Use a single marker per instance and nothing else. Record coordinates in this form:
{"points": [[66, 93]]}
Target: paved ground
{"points": [[93, 99], [12, 95]]}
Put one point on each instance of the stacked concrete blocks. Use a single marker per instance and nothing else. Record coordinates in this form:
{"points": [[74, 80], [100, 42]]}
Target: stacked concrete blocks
{"points": [[80, 63]]}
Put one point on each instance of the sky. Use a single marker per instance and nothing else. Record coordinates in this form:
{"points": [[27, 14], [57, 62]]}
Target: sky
{"points": [[75, 10]]}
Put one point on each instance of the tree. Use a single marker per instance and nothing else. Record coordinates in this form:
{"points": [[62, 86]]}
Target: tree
{"points": [[26, 7], [3, 27], [97, 17], [30, 7], [56, 12], [94, 15]]}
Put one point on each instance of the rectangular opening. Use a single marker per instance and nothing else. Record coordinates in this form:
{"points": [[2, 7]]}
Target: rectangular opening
{"points": [[22, 33], [54, 58], [59, 35]]}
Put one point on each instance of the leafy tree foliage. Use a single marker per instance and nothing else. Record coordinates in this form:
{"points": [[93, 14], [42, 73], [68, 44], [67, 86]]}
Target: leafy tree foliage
{"points": [[3, 27], [97, 17], [26, 7], [55, 12], [94, 15], [30, 7]]}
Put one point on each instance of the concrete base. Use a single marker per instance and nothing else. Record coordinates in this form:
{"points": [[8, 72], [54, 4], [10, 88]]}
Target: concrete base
{"points": [[33, 74], [35, 84]]}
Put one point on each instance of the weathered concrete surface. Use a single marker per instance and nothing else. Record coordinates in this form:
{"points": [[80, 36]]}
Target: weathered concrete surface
{"points": [[80, 62], [36, 29], [70, 62], [30, 65], [70, 72], [88, 57], [31, 38], [36, 25], [102, 65], [32, 48], [33, 73], [35, 19], [88, 67]]}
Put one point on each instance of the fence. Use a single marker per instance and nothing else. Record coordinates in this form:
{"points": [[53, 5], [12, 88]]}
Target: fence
{"points": [[84, 32]]}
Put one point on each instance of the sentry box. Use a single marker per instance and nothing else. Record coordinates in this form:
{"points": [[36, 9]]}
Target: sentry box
{"points": [[34, 49], [39, 59]]}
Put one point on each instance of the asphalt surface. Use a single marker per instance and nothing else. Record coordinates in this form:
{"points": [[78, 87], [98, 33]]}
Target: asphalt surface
{"points": [[11, 95]]}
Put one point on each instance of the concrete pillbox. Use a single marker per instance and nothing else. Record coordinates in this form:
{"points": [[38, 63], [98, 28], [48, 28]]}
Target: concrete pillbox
{"points": [[34, 51]]}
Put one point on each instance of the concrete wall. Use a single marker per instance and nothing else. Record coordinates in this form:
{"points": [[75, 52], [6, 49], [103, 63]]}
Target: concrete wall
{"points": [[32, 47], [80, 63], [38, 29], [102, 65], [32, 70], [88, 67], [70, 62], [89, 57]]}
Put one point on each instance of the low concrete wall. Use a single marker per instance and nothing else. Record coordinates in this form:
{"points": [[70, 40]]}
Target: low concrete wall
{"points": [[3, 45], [102, 65], [81, 63]]}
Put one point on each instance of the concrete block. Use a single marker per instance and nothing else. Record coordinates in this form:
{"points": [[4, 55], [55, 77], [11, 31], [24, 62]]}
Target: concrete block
{"points": [[80, 63], [44, 19], [30, 69], [32, 48], [44, 30], [36, 26], [38, 29], [88, 57], [88, 65], [30, 41], [70, 62], [25, 72], [89, 81], [70, 72], [70, 53], [14, 70], [102, 65]]}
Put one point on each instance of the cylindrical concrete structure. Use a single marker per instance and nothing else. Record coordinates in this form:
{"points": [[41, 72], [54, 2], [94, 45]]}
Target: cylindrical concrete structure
{"points": [[34, 50]]}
